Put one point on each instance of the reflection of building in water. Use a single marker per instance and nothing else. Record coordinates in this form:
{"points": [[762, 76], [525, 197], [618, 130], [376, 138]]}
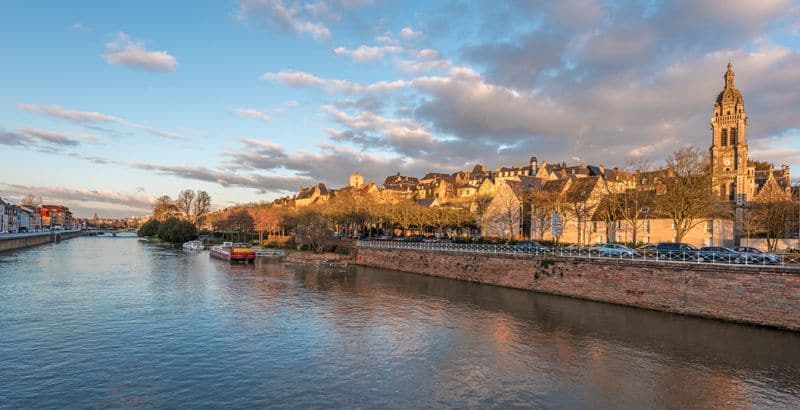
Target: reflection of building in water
{"points": [[504, 334]]}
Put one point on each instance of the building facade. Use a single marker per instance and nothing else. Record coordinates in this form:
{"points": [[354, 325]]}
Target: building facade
{"points": [[733, 178]]}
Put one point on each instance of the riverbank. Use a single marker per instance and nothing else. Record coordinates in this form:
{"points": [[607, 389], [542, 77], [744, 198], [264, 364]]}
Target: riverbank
{"points": [[22, 241], [766, 297], [326, 258]]}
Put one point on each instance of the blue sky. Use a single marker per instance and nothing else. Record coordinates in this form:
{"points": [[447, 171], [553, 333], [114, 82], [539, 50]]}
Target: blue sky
{"points": [[106, 105]]}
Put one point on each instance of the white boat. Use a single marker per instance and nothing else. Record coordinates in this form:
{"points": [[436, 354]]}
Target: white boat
{"points": [[194, 246]]}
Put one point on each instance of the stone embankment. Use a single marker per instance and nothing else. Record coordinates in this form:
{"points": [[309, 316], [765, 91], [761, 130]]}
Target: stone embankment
{"points": [[764, 296], [21, 241], [328, 258]]}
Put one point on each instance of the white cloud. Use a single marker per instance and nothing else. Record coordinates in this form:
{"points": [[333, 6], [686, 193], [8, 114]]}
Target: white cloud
{"points": [[302, 79], [85, 118], [123, 51], [67, 114], [56, 137], [294, 78], [252, 113], [77, 197], [366, 53], [294, 17], [409, 34]]}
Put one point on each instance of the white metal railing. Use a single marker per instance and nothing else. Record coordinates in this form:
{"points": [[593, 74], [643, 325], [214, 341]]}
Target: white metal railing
{"points": [[684, 257]]}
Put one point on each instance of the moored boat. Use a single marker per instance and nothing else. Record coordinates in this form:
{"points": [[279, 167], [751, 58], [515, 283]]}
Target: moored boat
{"points": [[194, 246], [234, 252]]}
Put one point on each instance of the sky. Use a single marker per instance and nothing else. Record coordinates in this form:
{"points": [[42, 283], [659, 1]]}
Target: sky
{"points": [[107, 105]]}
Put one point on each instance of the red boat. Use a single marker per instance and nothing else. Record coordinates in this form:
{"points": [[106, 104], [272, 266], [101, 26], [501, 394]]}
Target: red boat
{"points": [[234, 252]]}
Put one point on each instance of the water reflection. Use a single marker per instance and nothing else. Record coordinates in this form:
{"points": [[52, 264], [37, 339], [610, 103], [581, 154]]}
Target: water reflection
{"points": [[113, 322]]}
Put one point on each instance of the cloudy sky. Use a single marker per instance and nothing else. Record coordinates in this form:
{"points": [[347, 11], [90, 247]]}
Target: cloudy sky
{"points": [[105, 105]]}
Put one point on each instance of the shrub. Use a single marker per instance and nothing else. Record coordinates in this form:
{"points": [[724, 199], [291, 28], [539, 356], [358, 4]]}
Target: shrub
{"points": [[148, 229], [174, 230]]}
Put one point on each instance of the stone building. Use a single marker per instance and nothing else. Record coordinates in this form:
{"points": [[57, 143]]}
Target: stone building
{"points": [[356, 179], [311, 195], [733, 177]]}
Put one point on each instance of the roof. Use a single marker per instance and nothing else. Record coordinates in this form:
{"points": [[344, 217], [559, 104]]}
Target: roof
{"points": [[437, 175], [427, 202], [400, 182], [518, 188], [581, 189], [555, 185], [306, 193]]}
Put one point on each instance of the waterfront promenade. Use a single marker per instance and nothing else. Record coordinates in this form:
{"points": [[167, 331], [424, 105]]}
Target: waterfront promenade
{"points": [[14, 241]]}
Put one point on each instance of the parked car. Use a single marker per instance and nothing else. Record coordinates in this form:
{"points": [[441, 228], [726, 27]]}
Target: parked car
{"points": [[676, 251], [719, 254], [530, 246], [753, 255], [614, 250]]}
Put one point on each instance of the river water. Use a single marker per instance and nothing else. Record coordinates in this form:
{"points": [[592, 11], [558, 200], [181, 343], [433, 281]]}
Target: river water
{"points": [[114, 322]]}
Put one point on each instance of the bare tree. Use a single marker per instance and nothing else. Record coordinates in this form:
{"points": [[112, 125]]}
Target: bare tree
{"points": [[202, 206], [506, 211], [607, 212], [687, 199], [543, 203], [481, 207], [312, 228], [440, 219], [627, 205], [164, 208], [184, 203], [775, 216]]}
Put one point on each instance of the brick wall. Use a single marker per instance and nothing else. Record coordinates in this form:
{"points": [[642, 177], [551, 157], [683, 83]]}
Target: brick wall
{"points": [[740, 294]]}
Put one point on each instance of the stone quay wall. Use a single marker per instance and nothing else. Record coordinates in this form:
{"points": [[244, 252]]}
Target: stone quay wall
{"points": [[761, 296], [15, 242]]}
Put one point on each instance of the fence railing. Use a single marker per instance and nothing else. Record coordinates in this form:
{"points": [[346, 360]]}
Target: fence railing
{"points": [[787, 261]]}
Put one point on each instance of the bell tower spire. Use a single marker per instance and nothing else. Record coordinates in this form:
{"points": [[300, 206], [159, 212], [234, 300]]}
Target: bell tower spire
{"points": [[731, 177], [729, 75]]}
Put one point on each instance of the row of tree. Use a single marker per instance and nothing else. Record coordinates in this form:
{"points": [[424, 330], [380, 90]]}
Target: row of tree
{"points": [[343, 215], [192, 206]]}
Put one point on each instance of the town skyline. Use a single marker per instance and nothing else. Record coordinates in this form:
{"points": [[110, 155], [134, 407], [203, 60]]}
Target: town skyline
{"points": [[272, 96]]}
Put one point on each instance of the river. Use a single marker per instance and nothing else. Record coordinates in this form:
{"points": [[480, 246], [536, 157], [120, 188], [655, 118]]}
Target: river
{"points": [[114, 322]]}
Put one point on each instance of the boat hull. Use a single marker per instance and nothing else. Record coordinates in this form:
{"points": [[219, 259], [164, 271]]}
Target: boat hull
{"points": [[233, 256]]}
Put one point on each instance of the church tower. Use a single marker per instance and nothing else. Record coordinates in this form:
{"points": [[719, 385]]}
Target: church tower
{"points": [[732, 178]]}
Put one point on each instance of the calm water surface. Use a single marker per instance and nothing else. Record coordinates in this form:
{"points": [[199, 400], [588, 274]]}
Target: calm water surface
{"points": [[102, 322]]}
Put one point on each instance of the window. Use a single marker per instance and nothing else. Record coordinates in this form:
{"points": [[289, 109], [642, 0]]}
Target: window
{"points": [[594, 226], [734, 136], [724, 137], [710, 227]]}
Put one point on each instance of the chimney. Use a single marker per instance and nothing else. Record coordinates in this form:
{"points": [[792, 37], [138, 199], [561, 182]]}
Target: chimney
{"points": [[602, 169]]}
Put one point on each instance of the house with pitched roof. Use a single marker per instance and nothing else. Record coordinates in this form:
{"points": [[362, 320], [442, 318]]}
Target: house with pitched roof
{"points": [[312, 195]]}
